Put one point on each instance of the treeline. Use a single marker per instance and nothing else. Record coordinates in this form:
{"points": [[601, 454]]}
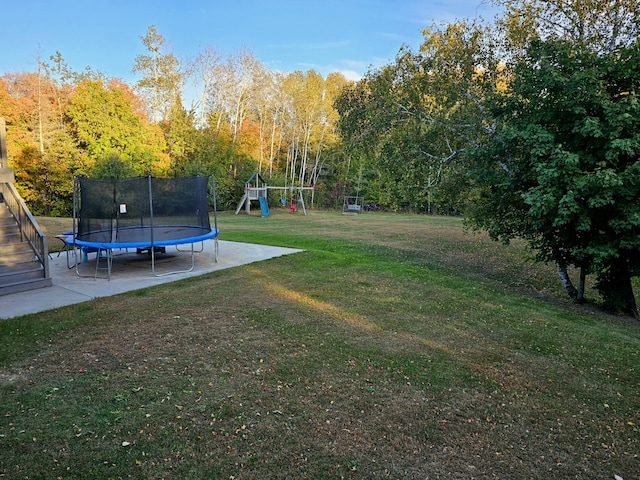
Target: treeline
{"points": [[242, 118], [530, 123], [412, 129]]}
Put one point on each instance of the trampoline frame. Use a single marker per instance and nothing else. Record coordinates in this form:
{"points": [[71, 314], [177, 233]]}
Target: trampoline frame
{"points": [[104, 250]]}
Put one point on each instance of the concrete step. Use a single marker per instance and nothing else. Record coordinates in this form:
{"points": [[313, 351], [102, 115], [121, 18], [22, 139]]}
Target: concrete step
{"points": [[24, 286]]}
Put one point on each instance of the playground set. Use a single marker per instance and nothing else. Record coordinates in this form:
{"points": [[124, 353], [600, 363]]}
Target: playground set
{"points": [[256, 188]]}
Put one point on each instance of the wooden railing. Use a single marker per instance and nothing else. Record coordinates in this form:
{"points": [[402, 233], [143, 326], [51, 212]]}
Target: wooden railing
{"points": [[3, 144], [29, 228]]}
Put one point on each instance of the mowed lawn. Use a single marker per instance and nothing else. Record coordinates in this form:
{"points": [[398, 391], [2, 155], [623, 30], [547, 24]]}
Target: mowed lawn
{"points": [[393, 347]]}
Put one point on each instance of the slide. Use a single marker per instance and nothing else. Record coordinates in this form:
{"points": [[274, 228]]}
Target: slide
{"points": [[264, 207], [244, 197]]}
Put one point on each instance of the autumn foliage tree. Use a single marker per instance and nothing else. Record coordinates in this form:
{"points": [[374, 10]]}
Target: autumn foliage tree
{"points": [[243, 118], [102, 121]]}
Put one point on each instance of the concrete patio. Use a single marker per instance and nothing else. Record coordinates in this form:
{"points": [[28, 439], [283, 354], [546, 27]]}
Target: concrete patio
{"points": [[130, 271]]}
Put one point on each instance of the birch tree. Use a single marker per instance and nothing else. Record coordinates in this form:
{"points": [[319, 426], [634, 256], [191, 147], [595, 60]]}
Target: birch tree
{"points": [[240, 81], [162, 79], [204, 70], [306, 92], [268, 105]]}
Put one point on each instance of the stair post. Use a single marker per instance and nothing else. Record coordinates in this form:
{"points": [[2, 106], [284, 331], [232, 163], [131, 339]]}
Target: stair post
{"points": [[6, 173]]}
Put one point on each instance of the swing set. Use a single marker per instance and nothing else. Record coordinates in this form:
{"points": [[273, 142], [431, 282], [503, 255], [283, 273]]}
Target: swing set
{"points": [[256, 188]]}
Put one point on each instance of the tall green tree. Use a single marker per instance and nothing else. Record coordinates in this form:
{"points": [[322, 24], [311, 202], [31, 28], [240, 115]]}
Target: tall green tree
{"points": [[111, 166], [179, 133], [598, 32], [162, 79], [415, 120], [563, 169]]}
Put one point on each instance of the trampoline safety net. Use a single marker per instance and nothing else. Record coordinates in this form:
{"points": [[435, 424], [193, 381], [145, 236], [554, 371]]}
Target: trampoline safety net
{"points": [[141, 209]]}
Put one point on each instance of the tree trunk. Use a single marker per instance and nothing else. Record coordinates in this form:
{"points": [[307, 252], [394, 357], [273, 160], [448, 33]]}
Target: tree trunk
{"points": [[583, 278], [566, 281], [614, 284]]}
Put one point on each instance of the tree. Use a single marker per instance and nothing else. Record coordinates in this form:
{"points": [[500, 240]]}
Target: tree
{"points": [[204, 70], [57, 80], [9, 110], [415, 120], [34, 117], [111, 166], [242, 72], [162, 78], [328, 142], [562, 171], [43, 182], [39, 148], [305, 115], [179, 134], [600, 25], [102, 121]]}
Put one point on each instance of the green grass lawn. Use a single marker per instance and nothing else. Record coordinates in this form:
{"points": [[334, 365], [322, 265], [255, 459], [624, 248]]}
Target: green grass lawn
{"points": [[394, 346]]}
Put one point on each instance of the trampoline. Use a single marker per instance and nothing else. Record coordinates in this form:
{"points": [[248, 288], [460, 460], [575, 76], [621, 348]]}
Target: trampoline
{"points": [[143, 213]]}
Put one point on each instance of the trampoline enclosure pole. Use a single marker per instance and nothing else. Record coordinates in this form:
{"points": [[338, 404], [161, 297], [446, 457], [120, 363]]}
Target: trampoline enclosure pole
{"points": [[151, 210], [152, 248]]}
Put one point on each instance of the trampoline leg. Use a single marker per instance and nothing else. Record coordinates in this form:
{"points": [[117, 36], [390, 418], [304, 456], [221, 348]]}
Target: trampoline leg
{"points": [[153, 264], [72, 252], [108, 255]]}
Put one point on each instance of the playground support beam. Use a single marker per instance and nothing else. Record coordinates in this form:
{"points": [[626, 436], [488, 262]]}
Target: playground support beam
{"points": [[291, 189]]}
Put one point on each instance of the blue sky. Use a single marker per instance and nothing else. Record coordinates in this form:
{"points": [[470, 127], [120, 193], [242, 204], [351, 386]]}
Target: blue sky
{"points": [[286, 35]]}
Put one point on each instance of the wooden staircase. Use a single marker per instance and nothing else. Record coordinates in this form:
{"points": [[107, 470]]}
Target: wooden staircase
{"points": [[20, 267]]}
